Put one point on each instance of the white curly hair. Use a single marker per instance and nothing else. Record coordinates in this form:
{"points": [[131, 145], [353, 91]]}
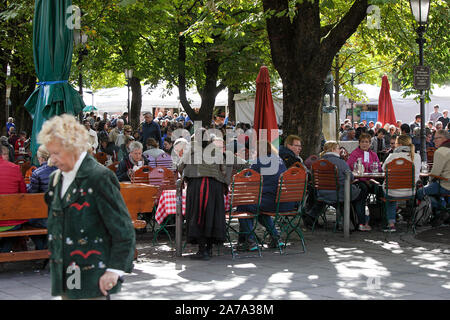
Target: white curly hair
{"points": [[72, 134]]}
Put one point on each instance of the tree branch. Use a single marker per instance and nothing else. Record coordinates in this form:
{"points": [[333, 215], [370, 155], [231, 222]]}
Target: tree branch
{"points": [[337, 37], [160, 61], [325, 29]]}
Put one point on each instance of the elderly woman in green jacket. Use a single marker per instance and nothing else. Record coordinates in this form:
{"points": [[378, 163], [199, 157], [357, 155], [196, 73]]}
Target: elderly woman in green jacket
{"points": [[90, 234]]}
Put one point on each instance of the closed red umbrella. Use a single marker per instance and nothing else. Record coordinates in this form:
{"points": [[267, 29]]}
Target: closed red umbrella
{"points": [[265, 117], [385, 108]]}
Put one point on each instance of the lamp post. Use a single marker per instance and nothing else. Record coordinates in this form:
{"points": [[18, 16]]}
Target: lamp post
{"points": [[128, 76], [420, 9], [352, 72]]}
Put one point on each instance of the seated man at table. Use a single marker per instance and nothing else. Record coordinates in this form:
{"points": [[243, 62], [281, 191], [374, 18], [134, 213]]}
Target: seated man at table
{"points": [[439, 189], [134, 161], [290, 152]]}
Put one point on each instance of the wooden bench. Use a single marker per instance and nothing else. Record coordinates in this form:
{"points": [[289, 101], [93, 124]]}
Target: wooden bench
{"points": [[25, 206]]}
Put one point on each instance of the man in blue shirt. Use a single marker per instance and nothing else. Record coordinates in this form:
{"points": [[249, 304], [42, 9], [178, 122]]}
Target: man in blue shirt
{"points": [[150, 129]]}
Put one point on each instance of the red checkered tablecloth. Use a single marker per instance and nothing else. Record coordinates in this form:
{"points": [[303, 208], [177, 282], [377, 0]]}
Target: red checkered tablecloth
{"points": [[168, 204]]}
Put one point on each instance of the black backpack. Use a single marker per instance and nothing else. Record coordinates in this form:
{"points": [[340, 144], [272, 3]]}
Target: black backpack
{"points": [[423, 212]]}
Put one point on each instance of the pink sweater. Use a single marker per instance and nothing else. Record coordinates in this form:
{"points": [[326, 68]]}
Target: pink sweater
{"points": [[359, 153]]}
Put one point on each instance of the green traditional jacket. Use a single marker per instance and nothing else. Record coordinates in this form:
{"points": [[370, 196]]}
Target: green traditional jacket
{"points": [[89, 230]]}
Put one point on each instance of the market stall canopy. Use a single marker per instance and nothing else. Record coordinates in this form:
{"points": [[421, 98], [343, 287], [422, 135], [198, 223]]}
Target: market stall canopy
{"points": [[52, 49], [114, 100], [405, 108]]}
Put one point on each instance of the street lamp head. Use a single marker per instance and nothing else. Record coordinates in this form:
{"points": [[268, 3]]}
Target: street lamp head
{"points": [[420, 9], [128, 73]]}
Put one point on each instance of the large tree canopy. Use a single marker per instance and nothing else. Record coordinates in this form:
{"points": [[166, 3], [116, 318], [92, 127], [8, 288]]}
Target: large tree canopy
{"points": [[209, 45]]}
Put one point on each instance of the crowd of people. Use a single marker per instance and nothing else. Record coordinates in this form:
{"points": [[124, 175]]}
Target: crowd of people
{"points": [[383, 137], [207, 182]]}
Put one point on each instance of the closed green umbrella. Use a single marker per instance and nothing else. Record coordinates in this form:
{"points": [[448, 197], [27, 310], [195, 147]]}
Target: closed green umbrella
{"points": [[52, 48]]}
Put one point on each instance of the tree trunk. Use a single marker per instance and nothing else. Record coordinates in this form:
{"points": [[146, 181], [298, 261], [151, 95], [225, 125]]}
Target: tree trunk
{"points": [[210, 91], [303, 58], [302, 114], [232, 104], [182, 78], [136, 102]]}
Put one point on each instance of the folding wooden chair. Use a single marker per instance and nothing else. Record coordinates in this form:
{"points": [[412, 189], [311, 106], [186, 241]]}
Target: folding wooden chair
{"points": [[141, 175], [310, 160], [325, 177], [165, 180], [297, 164], [164, 160], [246, 188], [101, 157], [162, 177], [151, 161], [400, 175], [291, 188]]}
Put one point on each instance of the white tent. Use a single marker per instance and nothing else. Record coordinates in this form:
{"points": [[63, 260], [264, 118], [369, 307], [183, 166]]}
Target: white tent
{"points": [[405, 108], [115, 100], [245, 107]]}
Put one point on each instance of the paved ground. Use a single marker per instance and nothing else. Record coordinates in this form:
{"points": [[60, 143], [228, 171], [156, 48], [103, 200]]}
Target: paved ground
{"points": [[435, 235], [367, 266]]}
